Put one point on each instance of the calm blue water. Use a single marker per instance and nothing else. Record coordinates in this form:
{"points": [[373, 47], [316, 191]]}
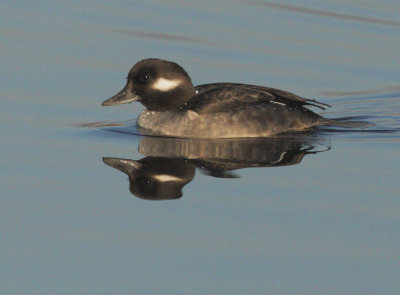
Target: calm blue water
{"points": [[315, 213]]}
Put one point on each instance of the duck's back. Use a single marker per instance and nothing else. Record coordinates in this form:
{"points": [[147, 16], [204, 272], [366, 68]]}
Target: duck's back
{"points": [[216, 97]]}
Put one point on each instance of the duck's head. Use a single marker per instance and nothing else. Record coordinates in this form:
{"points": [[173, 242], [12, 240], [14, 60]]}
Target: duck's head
{"points": [[158, 84]]}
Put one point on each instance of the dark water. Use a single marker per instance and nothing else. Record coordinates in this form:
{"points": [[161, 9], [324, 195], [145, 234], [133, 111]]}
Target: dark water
{"points": [[309, 213]]}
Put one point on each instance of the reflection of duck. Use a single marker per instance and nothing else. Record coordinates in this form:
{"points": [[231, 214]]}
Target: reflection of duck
{"points": [[170, 163], [155, 178], [220, 110]]}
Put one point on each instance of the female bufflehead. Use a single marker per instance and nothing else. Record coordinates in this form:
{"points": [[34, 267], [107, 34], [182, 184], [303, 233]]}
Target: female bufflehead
{"points": [[220, 110]]}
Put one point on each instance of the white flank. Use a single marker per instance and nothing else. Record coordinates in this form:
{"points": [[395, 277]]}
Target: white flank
{"points": [[282, 104], [165, 84]]}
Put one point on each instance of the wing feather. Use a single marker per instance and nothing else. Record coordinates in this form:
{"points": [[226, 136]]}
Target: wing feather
{"points": [[217, 97]]}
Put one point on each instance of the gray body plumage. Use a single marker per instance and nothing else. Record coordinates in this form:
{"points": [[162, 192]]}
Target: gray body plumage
{"points": [[246, 121], [228, 110]]}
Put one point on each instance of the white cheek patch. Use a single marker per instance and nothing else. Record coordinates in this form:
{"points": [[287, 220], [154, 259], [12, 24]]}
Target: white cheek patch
{"points": [[166, 177], [165, 84]]}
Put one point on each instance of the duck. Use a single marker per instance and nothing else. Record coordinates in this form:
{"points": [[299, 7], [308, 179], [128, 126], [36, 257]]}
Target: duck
{"points": [[176, 108]]}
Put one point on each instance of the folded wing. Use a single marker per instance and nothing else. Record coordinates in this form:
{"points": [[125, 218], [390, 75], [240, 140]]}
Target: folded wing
{"points": [[219, 97]]}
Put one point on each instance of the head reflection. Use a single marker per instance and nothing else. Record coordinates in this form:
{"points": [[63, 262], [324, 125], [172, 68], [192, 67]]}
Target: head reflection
{"points": [[170, 163], [155, 178]]}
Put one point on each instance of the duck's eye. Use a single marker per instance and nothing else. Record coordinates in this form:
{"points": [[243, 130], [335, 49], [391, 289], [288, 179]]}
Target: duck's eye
{"points": [[143, 78]]}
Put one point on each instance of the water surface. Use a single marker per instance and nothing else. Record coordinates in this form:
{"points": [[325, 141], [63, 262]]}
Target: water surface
{"points": [[312, 213]]}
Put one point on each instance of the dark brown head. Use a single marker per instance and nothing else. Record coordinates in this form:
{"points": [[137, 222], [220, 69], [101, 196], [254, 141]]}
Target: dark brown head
{"points": [[158, 84]]}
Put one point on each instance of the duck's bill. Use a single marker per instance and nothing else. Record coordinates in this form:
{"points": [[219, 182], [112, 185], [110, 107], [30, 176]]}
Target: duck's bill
{"points": [[124, 96], [124, 165]]}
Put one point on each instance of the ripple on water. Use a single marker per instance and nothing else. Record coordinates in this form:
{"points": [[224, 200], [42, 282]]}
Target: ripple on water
{"points": [[381, 112]]}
